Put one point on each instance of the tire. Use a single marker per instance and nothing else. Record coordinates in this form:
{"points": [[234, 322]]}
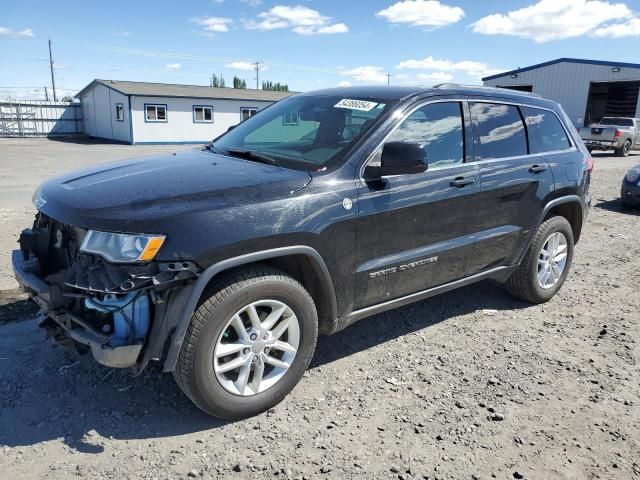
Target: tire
{"points": [[195, 372], [524, 282], [624, 150]]}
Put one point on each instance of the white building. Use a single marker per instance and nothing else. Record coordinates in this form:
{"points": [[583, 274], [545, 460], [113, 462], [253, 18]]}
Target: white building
{"points": [[587, 89], [139, 112]]}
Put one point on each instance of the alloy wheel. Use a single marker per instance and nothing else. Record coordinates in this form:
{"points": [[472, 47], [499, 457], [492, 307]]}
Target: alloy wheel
{"points": [[256, 347], [552, 260]]}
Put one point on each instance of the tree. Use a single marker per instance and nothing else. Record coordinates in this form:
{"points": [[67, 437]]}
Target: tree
{"points": [[276, 87], [217, 81], [239, 82]]}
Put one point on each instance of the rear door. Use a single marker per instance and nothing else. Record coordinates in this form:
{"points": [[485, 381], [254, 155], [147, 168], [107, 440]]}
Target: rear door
{"points": [[514, 184], [416, 231]]}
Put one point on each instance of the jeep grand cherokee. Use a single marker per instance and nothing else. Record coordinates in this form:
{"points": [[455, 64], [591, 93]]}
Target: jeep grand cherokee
{"points": [[224, 264]]}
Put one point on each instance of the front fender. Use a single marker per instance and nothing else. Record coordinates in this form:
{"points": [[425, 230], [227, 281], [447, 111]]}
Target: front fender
{"points": [[191, 298]]}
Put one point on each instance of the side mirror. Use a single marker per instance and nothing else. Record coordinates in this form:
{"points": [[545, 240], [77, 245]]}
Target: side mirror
{"points": [[400, 158]]}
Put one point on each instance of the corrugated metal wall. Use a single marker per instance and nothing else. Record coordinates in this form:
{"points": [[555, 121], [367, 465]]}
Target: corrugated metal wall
{"points": [[37, 118], [568, 84]]}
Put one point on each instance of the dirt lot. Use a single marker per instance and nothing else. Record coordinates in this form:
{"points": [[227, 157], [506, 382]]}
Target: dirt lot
{"points": [[472, 384]]}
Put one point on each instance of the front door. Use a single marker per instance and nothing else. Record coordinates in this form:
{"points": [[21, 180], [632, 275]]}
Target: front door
{"points": [[415, 231]]}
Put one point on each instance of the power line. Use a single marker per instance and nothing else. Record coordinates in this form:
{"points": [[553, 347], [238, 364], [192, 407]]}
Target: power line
{"points": [[184, 56]]}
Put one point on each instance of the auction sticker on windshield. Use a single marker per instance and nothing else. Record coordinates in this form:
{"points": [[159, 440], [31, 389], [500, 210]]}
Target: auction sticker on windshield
{"points": [[362, 105]]}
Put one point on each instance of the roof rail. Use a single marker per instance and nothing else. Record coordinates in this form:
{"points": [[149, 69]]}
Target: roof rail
{"points": [[483, 87]]}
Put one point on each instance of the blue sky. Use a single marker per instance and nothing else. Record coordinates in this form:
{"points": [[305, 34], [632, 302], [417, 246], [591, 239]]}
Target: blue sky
{"points": [[308, 44]]}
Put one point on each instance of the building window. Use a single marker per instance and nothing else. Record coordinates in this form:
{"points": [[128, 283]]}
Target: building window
{"points": [[202, 114], [290, 119], [119, 112], [155, 113], [247, 112]]}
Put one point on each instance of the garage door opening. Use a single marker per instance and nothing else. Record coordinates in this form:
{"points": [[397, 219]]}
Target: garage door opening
{"points": [[611, 99]]}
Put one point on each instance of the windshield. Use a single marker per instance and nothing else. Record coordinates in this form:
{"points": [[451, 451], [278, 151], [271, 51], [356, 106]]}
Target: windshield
{"points": [[303, 132], [620, 122]]}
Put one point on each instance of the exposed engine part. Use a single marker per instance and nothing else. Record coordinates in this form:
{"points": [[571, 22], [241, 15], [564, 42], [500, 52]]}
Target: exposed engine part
{"points": [[94, 274], [131, 316]]}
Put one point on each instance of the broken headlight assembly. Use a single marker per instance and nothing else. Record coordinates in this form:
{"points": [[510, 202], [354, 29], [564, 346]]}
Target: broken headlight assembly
{"points": [[121, 247]]}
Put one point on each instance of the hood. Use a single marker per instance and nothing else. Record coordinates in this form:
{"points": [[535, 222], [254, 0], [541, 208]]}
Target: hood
{"points": [[156, 187]]}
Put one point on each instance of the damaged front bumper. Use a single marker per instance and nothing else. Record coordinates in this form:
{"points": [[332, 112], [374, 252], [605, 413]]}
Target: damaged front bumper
{"points": [[123, 314]]}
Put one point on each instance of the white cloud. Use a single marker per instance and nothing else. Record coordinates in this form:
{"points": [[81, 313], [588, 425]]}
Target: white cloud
{"points": [[344, 84], [123, 34], [8, 32], [241, 66], [630, 28], [422, 13], [435, 77], [172, 67], [213, 24], [302, 20], [555, 19], [252, 3], [471, 68], [367, 74]]}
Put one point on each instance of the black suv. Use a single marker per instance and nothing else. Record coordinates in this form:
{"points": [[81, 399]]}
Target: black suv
{"points": [[225, 263]]}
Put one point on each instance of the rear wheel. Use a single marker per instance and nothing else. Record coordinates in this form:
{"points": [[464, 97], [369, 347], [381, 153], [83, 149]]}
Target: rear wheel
{"points": [[248, 344], [624, 150], [546, 264]]}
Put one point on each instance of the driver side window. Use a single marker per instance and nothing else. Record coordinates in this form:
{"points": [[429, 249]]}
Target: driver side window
{"points": [[437, 126]]}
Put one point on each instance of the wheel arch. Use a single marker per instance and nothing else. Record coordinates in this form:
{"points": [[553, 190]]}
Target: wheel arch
{"points": [[302, 262], [569, 207]]}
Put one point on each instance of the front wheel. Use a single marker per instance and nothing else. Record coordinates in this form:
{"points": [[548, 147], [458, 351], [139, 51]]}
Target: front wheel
{"points": [[248, 344], [546, 264]]}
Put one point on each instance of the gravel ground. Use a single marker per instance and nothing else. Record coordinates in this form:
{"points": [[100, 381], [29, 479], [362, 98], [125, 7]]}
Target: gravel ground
{"points": [[468, 385]]}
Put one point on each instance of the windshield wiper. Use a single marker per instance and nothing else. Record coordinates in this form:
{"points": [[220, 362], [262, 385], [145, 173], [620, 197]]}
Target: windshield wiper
{"points": [[249, 155]]}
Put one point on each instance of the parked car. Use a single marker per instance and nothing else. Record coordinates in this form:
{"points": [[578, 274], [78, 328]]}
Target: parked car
{"points": [[613, 133], [630, 190], [224, 264]]}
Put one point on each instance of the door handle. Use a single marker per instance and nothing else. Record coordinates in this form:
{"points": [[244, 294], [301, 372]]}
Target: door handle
{"points": [[461, 182], [538, 168]]}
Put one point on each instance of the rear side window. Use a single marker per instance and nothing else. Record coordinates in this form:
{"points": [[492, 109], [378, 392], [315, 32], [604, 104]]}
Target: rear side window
{"points": [[546, 133], [499, 131]]}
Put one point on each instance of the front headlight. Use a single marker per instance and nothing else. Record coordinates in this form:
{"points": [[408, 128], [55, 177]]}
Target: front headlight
{"points": [[633, 174], [122, 248]]}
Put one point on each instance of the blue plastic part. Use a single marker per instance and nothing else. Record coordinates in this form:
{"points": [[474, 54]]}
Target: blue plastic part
{"points": [[131, 317]]}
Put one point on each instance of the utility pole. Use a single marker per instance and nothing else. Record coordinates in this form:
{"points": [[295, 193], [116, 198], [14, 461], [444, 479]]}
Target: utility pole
{"points": [[46, 94], [257, 67], [389, 78], [53, 80]]}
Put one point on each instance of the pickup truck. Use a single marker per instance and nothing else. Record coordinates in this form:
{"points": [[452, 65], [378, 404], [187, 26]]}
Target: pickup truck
{"points": [[613, 133], [224, 264]]}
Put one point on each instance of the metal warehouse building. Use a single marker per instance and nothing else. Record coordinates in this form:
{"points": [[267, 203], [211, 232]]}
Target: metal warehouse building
{"points": [[587, 89], [138, 112]]}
